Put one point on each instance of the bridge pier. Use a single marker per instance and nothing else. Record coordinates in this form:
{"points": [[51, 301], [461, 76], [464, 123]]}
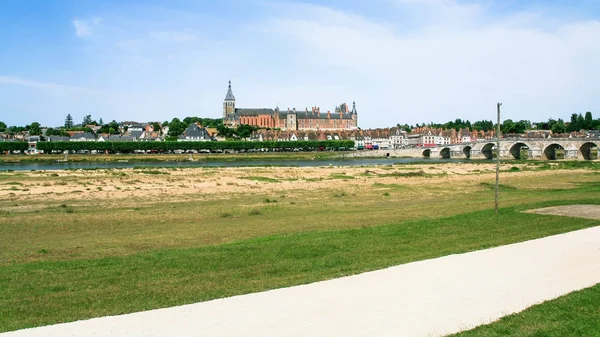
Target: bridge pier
{"points": [[458, 155], [535, 153]]}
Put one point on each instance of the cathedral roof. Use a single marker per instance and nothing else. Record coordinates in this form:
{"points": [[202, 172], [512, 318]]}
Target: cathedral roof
{"points": [[229, 96], [253, 112]]}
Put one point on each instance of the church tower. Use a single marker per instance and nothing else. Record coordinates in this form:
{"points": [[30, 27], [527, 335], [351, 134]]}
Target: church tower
{"points": [[229, 103], [354, 116]]}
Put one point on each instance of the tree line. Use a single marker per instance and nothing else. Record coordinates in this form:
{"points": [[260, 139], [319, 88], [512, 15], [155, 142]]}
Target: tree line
{"points": [[129, 147], [177, 126], [577, 123]]}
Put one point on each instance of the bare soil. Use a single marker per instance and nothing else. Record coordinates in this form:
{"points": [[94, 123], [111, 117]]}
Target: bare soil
{"points": [[575, 211]]}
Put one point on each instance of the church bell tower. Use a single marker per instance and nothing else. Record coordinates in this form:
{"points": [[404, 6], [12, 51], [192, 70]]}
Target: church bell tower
{"points": [[229, 103]]}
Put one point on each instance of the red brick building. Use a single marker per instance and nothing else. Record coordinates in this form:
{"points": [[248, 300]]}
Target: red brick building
{"points": [[343, 118]]}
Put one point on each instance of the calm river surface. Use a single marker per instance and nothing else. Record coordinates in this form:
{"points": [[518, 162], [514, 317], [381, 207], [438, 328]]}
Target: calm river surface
{"points": [[216, 163]]}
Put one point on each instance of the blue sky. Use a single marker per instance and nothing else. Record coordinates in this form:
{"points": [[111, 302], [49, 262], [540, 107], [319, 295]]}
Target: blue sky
{"points": [[402, 61]]}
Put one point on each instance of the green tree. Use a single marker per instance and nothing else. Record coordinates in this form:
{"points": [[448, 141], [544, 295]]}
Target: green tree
{"points": [[156, 127], [113, 127], [521, 126], [573, 123], [580, 123], [100, 122], [483, 125], [224, 131], [244, 131], [508, 127], [53, 132], [34, 129], [110, 128], [2, 127], [559, 126], [176, 127], [589, 120], [68, 122], [87, 120]]}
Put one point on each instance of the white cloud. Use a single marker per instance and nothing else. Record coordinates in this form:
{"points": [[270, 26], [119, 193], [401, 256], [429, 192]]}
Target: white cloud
{"points": [[85, 28], [456, 67], [406, 61]]}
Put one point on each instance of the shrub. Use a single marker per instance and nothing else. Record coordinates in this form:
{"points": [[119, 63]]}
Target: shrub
{"points": [[254, 211]]}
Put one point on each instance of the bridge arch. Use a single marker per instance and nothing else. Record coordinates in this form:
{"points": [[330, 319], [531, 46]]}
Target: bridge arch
{"points": [[445, 153], [551, 151], [488, 150], [467, 151], [586, 151], [427, 153], [516, 150]]}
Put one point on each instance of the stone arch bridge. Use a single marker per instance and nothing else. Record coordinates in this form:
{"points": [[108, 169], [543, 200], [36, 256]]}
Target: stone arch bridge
{"points": [[584, 149]]}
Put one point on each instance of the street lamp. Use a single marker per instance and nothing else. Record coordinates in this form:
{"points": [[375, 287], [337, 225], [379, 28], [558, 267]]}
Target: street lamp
{"points": [[497, 159]]}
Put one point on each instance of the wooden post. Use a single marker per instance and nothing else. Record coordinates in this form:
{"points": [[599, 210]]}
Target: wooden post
{"points": [[497, 160]]}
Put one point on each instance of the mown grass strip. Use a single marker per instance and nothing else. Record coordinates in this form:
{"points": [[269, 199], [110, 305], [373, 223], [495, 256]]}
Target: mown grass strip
{"points": [[49, 292], [261, 179], [576, 314]]}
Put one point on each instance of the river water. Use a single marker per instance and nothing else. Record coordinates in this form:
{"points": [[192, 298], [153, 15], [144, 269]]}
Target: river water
{"points": [[28, 166]]}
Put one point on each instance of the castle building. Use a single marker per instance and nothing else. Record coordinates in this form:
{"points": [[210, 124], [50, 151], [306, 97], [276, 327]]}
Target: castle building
{"points": [[305, 120]]}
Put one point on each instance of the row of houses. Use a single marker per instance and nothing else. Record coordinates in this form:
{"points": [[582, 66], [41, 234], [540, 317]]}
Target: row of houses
{"points": [[384, 138], [394, 138]]}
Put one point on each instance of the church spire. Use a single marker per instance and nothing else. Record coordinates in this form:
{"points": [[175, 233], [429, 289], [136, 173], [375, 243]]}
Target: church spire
{"points": [[354, 108], [229, 96]]}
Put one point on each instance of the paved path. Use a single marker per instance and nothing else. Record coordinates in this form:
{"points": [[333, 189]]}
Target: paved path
{"points": [[428, 298]]}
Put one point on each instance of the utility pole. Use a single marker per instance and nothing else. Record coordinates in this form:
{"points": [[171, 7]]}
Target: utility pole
{"points": [[497, 159]]}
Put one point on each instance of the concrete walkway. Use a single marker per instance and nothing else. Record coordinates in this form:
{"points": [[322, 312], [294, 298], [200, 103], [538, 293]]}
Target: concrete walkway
{"points": [[427, 298]]}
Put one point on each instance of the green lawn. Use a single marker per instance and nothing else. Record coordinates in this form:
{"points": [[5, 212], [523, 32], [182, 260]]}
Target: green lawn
{"points": [[40, 293], [576, 314], [65, 259]]}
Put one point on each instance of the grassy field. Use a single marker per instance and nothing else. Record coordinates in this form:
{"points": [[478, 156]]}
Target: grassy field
{"points": [[576, 314], [83, 244]]}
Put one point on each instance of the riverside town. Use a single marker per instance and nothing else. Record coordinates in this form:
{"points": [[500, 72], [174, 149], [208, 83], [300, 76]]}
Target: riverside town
{"points": [[405, 168], [265, 129]]}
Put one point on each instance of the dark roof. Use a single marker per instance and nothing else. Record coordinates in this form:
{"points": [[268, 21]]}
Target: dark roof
{"points": [[136, 134], [86, 135], [57, 139], [117, 138], [283, 115], [253, 112], [229, 96], [195, 131], [311, 115]]}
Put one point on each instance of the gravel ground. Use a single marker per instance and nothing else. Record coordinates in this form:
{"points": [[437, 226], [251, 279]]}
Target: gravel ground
{"points": [[578, 211], [427, 298]]}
